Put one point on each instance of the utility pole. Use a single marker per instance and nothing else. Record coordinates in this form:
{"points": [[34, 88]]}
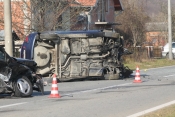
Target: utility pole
{"points": [[170, 30], [8, 27]]}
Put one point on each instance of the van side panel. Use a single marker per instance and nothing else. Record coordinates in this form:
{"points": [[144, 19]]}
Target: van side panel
{"points": [[28, 46]]}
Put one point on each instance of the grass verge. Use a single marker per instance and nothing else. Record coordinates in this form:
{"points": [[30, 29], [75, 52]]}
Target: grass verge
{"points": [[164, 112], [151, 63]]}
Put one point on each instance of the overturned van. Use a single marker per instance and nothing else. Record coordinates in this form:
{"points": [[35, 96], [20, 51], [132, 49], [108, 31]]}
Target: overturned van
{"points": [[77, 54]]}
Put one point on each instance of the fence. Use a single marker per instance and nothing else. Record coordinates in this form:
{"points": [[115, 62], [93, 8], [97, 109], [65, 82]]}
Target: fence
{"points": [[140, 53]]}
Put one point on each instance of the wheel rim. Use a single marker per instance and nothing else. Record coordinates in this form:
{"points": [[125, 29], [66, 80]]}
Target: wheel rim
{"points": [[23, 86]]}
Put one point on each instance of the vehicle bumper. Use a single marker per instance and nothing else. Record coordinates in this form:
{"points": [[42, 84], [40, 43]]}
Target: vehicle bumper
{"points": [[164, 54]]}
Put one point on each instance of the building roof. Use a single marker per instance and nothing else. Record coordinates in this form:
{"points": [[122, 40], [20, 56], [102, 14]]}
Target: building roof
{"points": [[87, 2], [117, 3]]}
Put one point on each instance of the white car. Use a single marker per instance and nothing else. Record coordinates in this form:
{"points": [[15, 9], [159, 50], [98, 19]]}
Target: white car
{"points": [[165, 51]]}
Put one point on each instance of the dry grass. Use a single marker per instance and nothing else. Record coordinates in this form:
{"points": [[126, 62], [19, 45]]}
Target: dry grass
{"points": [[164, 112], [149, 63]]}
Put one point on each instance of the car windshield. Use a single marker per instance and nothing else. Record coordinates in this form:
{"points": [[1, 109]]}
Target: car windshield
{"points": [[167, 45]]}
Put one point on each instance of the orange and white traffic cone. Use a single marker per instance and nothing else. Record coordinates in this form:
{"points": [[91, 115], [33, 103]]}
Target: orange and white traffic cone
{"points": [[137, 76], [54, 91]]}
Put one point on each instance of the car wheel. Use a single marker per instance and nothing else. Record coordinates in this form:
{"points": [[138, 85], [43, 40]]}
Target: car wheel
{"points": [[22, 87]]}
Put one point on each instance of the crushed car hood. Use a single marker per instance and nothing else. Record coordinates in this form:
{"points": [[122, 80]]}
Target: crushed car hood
{"points": [[26, 62]]}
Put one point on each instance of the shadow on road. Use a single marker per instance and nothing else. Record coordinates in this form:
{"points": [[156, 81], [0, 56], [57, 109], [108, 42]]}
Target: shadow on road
{"points": [[8, 96]]}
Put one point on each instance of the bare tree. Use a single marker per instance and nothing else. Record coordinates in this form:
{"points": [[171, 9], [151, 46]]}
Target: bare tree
{"points": [[173, 22], [53, 14], [43, 15], [162, 17], [133, 21]]}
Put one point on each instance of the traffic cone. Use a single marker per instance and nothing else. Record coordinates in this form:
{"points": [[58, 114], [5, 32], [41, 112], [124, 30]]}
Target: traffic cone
{"points": [[137, 76], [54, 91]]}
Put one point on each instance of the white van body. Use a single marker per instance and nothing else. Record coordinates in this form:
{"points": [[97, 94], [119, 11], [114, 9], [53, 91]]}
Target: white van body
{"points": [[165, 51]]}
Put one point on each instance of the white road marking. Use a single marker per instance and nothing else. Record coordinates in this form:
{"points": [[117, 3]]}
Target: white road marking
{"points": [[103, 88], [169, 75], [13, 105], [71, 94], [155, 68], [152, 109], [10, 105]]}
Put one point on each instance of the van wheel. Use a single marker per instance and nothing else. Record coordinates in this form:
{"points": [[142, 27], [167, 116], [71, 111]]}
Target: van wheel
{"points": [[22, 87]]}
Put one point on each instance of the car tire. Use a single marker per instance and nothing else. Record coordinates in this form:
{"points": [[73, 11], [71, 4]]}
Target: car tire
{"points": [[22, 87]]}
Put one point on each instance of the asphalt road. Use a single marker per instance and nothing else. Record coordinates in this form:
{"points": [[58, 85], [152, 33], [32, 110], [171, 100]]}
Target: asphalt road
{"points": [[99, 98]]}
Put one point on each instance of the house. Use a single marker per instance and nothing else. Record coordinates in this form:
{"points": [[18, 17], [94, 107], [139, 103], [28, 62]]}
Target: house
{"points": [[94, 15], [99, 14], [156, 33]]}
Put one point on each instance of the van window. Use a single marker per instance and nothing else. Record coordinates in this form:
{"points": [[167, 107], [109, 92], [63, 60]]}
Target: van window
{"points": [[173, 45]]}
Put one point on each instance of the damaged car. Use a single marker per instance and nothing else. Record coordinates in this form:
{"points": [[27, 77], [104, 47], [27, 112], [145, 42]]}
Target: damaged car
{"points": [[18, 76]]}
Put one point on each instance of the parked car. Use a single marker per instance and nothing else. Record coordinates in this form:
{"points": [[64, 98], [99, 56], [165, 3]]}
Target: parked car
{"points": [[18, 76], [165, 51]]}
